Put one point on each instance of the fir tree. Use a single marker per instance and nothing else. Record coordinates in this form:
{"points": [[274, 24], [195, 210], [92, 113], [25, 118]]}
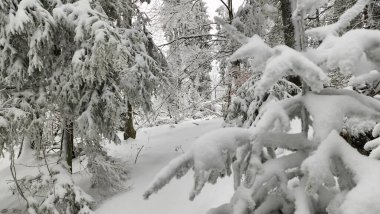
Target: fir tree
{"points": [[79, 63]]}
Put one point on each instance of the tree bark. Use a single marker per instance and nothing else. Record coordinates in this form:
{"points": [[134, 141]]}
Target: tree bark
{"points": [[289, 33], [301, 46], [235, 65], [129, 131], [69, 143], [288, 28], [230, 11]]}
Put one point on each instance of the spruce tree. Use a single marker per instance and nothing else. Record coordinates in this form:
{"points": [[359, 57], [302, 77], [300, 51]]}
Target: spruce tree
{"points": [[77, 65]]}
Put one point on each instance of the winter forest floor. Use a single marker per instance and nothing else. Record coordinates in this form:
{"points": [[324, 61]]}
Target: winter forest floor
{"points": [[160, 145]]}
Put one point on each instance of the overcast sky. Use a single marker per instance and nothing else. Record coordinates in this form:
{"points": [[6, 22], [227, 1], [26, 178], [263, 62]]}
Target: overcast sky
{"points": [[212, 5]]}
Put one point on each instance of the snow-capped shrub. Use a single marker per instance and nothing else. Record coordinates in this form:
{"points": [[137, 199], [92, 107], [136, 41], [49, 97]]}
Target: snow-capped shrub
{"points": [[108, 174], [54, 192]]}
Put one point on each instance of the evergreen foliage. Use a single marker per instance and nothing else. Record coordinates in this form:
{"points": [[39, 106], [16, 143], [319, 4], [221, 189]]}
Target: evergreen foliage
{"points": [[77, 63]]}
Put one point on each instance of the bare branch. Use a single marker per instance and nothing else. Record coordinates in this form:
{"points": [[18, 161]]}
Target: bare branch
{"points": [[224, 3], [189, 37]]}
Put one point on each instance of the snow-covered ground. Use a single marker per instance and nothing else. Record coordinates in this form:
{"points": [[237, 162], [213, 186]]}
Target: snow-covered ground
{"points": [[160, 145]]}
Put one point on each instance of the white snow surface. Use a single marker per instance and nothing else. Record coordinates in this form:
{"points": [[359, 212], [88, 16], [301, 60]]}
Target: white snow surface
{"points": [[161, 144]]}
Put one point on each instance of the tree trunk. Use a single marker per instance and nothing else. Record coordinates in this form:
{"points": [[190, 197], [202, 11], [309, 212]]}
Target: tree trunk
{"points": [[300, 45], [288, 28], [230, 11], [289, 33], [129, 131], [68, 142], [235, 66]]}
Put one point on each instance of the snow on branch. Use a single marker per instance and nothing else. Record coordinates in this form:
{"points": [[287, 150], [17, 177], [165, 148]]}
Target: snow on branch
{"points": [[276, 168], [286, 60], [264, 191], [256, 48], [352, 48], [343, 22], [280, 61], [55, 192], [232, 31], [329, 112], [214, 153], [329, 109], [274, 117], [290, 142], [374, 145], [363, 171], [369, 102], [210, 157], [30, 12], [371, 79]]}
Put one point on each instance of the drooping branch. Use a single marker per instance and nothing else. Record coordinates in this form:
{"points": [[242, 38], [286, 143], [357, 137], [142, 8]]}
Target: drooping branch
{"points": [[344, 21]]}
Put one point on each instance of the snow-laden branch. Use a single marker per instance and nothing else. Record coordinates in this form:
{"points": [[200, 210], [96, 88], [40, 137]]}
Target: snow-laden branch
{"points": [[343, 22], [329, 112], [214, 153], [371, 79], [374, 145], [362, 170], [329, 108], [232, 31], [19, 20], [277, 116], [256, 48], [280, 61], [210, 157], [286, 60], [369, 102], [351, 49]]}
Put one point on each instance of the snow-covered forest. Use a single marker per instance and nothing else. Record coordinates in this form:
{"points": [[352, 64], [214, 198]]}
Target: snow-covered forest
{"points": [[254, 106]]}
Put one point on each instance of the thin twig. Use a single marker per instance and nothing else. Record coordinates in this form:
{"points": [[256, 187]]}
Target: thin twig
{"points": [[137, 155], [189, 37], [14, 176], [224, 3]]}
